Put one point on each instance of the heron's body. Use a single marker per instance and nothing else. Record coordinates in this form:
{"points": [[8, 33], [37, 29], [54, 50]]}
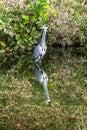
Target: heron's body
{"points": [[41, 48], [39, 52]]}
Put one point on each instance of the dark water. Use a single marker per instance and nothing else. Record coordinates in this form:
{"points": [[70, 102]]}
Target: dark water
{"points": [[66, 70], [61, 76]]}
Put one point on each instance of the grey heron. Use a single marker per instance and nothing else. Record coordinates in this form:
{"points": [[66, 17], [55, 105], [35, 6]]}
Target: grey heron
{"points": [[43, 79], [41, 48]]}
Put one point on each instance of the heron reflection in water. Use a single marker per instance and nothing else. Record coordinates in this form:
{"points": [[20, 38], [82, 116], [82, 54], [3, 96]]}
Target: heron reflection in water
{"points": [[43, 79]]}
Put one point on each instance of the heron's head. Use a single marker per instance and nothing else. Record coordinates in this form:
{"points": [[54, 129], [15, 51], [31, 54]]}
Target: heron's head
{"points": [[44, 27]]}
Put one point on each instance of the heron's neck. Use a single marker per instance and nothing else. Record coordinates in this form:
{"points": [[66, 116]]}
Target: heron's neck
{"points": [[43, 37]]}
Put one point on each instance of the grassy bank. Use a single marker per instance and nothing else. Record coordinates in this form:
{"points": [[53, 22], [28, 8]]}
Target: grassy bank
{"points": [[20, 28], [67, 22]]}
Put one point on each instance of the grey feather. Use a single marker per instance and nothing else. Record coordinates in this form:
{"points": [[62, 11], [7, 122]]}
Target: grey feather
{"points": [[37, 53], [41, 48]]}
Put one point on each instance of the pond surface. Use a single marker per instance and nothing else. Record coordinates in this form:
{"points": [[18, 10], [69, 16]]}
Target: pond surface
{"points": [[26, 90], [67, 75]]}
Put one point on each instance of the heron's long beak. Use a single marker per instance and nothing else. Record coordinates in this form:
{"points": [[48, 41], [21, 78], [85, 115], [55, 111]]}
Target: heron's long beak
{"points": [[43, 26]]}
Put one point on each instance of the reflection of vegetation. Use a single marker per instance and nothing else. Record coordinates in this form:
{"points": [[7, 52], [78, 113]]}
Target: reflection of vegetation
{"points": [[22, 100]]}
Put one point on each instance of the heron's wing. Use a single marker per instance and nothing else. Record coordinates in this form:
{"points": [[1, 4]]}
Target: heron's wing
{"points": [[37, 52]]}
